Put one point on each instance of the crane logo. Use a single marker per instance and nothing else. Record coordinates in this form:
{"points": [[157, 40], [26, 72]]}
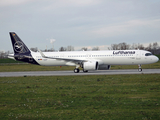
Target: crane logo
{"points": [[18, 46]]}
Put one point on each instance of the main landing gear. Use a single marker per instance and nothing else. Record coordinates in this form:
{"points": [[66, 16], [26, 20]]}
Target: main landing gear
{"points": [[76, 70], [85, 71], [139, 69]]}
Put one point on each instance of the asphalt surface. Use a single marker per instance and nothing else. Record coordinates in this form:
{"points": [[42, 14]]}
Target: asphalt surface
{"points": [[68, 73]]}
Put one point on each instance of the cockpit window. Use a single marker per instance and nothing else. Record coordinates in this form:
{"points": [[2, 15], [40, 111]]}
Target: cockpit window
{"points": [[148, 54]]}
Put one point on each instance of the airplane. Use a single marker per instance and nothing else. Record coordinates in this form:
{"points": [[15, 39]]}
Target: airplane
{"points": [[88, 60]]}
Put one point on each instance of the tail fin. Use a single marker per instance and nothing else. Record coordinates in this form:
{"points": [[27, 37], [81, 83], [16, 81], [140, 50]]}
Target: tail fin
{"points": [[18, 45]]}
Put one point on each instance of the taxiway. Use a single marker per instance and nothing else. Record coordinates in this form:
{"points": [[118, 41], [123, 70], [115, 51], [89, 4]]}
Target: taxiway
{"points": [[68, 73]]}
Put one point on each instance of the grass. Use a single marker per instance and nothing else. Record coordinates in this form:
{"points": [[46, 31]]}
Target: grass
{"points": [[158, 56], [85, 97], [30, 67], [7, 60]]}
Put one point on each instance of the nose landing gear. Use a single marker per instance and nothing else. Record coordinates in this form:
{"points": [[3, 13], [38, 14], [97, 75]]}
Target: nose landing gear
{"points": [[139, 69]]}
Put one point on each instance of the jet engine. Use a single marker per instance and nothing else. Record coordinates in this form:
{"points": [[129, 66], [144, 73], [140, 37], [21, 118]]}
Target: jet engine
{"points": [[91, 65], [104, 67]]}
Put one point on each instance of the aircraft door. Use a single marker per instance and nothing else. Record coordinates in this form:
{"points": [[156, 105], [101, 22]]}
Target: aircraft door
{"points": [[62, 55], [138, 55]]}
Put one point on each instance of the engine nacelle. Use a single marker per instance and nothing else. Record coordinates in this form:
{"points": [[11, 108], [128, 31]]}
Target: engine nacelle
{"points": [[104, 67], [91, 65]]}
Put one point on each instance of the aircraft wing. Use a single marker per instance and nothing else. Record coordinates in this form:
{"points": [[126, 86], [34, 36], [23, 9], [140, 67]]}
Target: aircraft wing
{"points": [[73, 60]]}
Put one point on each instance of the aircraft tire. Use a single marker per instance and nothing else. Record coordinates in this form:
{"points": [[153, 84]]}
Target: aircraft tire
{"points": [[85, 71], [140, 69], [76, 70]]}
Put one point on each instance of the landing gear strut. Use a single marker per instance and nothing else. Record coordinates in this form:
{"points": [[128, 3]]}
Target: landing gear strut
{"points": [[139, 69]]}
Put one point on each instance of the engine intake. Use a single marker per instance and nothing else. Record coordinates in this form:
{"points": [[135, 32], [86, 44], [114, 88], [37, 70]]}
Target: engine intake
{"points": [[91, 65]]}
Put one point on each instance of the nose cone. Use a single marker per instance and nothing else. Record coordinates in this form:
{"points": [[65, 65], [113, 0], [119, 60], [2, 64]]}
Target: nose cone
{"points": [[156, 59]]}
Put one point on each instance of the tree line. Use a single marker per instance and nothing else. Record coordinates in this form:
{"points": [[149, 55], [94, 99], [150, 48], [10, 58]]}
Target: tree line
{"points": [[152, 47], [68, 48]]}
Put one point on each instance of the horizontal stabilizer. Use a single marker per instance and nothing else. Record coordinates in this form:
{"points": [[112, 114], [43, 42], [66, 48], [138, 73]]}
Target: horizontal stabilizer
{"points": [[19, 56]]}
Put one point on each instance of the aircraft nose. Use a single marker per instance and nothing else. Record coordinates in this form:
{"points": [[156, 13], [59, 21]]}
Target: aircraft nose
{"points": [[156, 59]]}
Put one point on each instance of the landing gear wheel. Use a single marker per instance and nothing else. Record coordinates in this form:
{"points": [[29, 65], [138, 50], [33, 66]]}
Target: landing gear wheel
{"points": [[76, 70], [85, 71], [140, 69]]}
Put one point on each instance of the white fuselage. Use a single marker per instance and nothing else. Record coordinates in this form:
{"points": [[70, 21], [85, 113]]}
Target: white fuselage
{"points": [[88, 60], [110, 57]]}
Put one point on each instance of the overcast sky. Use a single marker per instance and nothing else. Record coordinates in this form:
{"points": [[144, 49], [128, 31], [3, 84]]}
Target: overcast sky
{"points": [[80, 23]]}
